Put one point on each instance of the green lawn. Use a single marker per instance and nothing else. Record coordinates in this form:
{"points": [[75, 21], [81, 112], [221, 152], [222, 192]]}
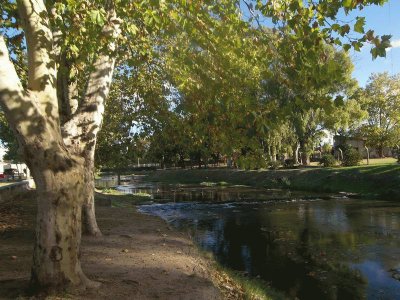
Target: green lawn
{"points": [[380, 161]]}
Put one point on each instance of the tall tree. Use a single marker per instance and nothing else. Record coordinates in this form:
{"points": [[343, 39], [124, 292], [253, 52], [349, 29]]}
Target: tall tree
{"points": [[55, 105], [59, 152], [382, 102]]}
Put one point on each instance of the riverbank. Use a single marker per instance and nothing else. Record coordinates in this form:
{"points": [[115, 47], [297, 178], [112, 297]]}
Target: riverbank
{"points": [[138, 257], [373, 181]]}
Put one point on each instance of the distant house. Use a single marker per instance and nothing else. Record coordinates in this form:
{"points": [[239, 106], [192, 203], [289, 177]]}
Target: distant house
{"points": [[358, 143]]}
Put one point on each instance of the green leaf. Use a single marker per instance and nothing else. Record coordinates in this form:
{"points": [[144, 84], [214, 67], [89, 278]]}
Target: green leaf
{"points": [[347, 3], [96, 17], [346, 47], [359, 25]]}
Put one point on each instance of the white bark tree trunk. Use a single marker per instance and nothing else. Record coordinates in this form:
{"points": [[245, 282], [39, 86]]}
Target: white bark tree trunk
{"points": [[56, 262], [55, 155]]}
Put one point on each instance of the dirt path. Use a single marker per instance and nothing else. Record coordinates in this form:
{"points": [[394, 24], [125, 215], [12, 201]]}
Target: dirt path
{"points": [[139, 257]]}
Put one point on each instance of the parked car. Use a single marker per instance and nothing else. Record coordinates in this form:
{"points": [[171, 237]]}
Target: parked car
{"points": [[12, 174]]}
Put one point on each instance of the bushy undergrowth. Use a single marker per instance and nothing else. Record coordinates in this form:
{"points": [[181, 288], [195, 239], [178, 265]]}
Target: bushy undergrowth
{"points": [[351, 157], [328, 160]]}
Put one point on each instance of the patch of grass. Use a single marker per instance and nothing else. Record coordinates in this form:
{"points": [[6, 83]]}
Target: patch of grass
{"points": [[146, 195], [207, 183], [117, 198], [380, 161], [252, 288]]}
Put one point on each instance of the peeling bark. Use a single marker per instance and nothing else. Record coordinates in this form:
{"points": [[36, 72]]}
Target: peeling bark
{"points": [[89, 215], [60, 159], [56, 263]]}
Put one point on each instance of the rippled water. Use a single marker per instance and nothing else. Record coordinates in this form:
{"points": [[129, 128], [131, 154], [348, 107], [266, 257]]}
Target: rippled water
{"points": [[310, 246], [311, 249]]}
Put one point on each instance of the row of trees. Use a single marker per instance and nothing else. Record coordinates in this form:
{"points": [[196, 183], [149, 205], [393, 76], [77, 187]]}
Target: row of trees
{"points": [[247, 116]]}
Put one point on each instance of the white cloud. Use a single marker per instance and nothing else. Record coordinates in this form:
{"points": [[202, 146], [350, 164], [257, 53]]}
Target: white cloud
{"points": [[395, 44]]}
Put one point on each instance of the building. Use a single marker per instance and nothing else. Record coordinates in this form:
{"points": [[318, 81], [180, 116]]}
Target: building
{"points": [[360, 144]]}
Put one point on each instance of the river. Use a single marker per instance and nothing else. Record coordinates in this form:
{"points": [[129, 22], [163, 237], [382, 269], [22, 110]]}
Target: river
{"points": [[309, 246]]}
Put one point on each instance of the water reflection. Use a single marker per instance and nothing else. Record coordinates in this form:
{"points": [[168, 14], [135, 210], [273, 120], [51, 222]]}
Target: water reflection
{"points": [[325, 249]]}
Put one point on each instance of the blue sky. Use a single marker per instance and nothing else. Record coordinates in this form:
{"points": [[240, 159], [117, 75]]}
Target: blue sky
{"points": [[384, 20]]}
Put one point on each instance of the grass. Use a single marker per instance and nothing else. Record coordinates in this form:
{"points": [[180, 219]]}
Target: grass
{"points": [[381, 178], [251, 288], [118, 198]]}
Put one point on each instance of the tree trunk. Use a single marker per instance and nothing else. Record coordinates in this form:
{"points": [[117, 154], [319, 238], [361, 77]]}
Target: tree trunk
{"points": [[305, 158], [58, 230], [89, 216], [296, 153], [118, 177], [380, 151], [273, 153]]}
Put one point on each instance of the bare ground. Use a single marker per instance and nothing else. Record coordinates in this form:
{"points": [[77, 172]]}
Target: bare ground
{"points": [[138, 257]]}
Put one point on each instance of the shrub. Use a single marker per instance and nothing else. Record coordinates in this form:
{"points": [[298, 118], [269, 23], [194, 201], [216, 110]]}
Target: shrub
{"points": [[327, 160], [284, 181], [289, 163], [274, 165], [351, 157], [251, 161]]}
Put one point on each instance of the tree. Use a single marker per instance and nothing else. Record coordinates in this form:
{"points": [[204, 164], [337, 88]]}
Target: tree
{"points": [[382, 102], [55, 104], [58, 151], [315, 21], [8, 141]]}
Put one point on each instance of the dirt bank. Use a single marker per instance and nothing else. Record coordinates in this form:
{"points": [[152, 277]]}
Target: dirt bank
{"points": [[139, 257]]}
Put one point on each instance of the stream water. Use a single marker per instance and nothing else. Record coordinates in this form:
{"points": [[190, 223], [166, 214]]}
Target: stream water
{"points": [[307, 245]]}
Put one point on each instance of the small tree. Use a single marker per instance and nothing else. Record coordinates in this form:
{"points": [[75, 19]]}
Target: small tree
{"points": [[351, 157], [328, 160]]}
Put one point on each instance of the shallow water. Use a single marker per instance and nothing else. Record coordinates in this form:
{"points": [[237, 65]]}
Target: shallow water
{"points": [[310, 246]]}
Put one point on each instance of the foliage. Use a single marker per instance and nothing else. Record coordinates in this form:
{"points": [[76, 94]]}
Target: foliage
{"points": [[326, 148], [274, 165], [351, 157], [8, 141], [252, 161], [315, 21], [381, 99], [328, 160]]}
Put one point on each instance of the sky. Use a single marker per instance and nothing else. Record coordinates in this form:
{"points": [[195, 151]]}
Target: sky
{"points": [[384, 20]]}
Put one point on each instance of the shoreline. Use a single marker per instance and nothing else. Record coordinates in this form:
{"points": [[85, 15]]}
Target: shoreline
{"points": [[374, 181]]}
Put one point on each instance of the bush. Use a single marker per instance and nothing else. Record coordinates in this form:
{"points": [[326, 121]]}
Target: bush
{"points": [[289, 163], [351, 157], [251, 162], [328, 160], [274, 165]]}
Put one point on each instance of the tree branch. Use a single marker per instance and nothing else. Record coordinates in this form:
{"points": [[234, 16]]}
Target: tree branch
{"points": [[20, 108], [41, 63], [86, 122]]}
